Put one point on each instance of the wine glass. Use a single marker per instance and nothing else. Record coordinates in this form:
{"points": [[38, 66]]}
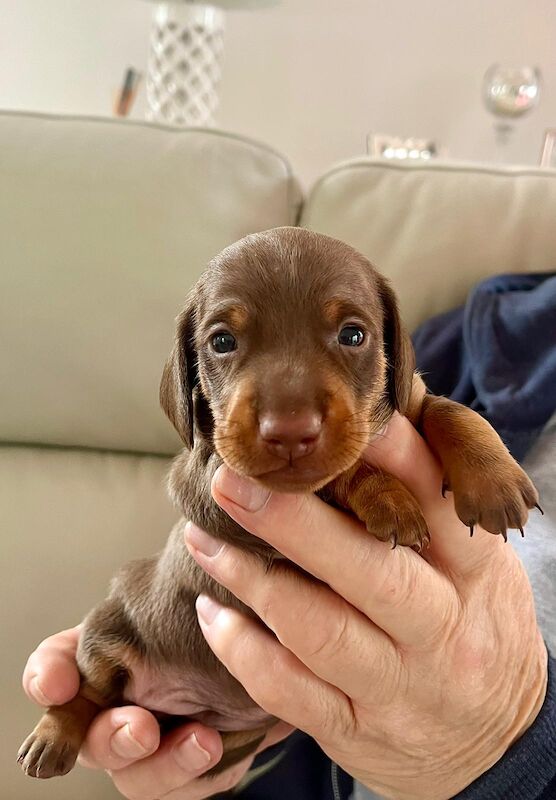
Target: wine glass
{"points": [[509, 93]]}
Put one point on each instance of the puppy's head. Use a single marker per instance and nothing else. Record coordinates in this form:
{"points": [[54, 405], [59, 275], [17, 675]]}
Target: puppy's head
{"points": [[289, 354]]}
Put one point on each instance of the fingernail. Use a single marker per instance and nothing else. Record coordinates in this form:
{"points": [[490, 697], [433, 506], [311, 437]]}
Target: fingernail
{"points": [[243, 492], [124, 744], [207, 608], [197, 538], [190, 755], [37, 692]]}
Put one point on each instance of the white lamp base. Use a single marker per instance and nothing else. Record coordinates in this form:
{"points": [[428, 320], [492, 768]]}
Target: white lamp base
{"points": [[184, 68]]}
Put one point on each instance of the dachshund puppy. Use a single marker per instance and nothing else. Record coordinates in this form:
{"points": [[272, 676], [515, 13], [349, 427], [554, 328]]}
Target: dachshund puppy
{"points": [[289, 356]]}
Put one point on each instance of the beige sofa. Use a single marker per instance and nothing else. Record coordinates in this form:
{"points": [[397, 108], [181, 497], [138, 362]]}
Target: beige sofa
{"points": [[103, 228]]}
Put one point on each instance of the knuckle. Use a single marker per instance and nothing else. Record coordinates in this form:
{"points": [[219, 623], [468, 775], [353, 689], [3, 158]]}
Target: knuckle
{"points": [[306, 510], [397, 586], [270, 591], [231, 565], [326, 639], [336, 718], [268, 687]]}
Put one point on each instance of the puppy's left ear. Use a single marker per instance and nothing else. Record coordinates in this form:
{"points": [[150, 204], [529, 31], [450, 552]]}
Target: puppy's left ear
{"points": [[180, 375], [398, 348]]}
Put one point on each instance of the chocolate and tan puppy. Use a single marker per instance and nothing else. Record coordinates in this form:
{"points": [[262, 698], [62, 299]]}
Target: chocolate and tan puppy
{"points": [[289, 355]]}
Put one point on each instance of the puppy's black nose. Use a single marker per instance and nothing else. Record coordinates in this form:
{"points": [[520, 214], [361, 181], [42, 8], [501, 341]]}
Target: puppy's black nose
{"points": [[290, 435]]}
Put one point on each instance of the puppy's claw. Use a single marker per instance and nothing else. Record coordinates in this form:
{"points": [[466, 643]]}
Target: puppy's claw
{"points": [[445, 488], [394, 540], [540, 509], [505, 536], [522, 533], [471, 531]]}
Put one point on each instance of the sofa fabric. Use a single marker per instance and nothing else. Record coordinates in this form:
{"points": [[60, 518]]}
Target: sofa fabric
{"points": [[69, 519], [437, 229]]}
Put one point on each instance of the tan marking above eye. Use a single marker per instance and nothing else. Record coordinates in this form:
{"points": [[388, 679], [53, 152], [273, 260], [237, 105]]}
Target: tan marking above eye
{"points": [[237, 316], [234, 315], [338, 310], [333, 310]]}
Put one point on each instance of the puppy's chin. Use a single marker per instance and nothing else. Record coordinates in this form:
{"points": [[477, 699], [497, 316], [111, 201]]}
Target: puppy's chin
{"points": [[296, 478]]}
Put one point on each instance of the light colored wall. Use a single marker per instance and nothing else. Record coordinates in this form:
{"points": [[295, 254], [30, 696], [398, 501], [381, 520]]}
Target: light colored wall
{"points": [[310, 77]]}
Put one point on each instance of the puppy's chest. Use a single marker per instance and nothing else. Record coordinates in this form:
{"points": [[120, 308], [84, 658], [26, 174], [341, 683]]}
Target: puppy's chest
{"points": [[189, 693]]}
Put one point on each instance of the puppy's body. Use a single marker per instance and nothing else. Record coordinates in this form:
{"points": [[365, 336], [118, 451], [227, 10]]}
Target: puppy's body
{"points": [[164, 664], [289, 356]]}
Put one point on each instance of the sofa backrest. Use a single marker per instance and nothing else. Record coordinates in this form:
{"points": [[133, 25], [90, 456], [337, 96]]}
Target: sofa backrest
{"points": [[436, 229], [104, 227]]}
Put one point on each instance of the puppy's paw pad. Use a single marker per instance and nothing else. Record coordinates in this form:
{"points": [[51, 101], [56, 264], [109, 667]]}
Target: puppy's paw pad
{"points": [[41, 757]]}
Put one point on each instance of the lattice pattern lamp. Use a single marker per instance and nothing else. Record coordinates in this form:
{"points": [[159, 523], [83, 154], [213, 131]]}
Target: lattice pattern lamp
{"points": [[184, 68]]}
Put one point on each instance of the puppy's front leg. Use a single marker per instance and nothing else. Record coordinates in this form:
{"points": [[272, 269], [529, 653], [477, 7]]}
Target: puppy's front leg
{"points": [[490, 488], [382, 502]]}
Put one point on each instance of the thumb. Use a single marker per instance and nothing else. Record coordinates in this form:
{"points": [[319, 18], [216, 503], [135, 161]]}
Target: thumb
{"points": [[51, 677]]}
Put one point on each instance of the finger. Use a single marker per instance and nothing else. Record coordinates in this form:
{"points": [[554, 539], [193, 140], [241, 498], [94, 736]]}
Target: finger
{"points": [[118, 737], [402, 452], [396, 589], [183, 756], [201, 788], [213, 785], [51, 677], [334, 640], [273, 677]]}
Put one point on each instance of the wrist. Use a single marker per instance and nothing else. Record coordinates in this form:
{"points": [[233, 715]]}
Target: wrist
{"points": [[530, 694], [534, 694], [472, 762]]}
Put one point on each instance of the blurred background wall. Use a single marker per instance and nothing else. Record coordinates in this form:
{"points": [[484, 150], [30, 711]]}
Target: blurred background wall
{"points": [[311, 77]]}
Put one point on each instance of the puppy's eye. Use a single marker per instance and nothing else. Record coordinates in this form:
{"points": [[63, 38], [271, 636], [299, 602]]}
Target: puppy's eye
{"points": [[223, 342], [351, 336]]}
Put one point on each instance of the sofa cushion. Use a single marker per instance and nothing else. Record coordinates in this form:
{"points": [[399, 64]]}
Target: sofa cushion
{"points": [[436, 229], [70, 519], [104, 227]]}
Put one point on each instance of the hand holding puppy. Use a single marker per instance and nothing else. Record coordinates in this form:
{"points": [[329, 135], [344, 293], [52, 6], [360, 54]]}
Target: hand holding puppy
{"points": [[414, 675]]}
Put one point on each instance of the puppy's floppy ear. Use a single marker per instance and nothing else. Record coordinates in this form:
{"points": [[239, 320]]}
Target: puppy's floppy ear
{"points": [[398, 350], [180, 375]]}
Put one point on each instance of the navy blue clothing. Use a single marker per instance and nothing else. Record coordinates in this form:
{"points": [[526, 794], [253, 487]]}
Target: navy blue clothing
{"points": [[497, 354]]}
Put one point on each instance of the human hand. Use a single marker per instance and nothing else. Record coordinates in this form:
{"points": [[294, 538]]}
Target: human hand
{"points": [[126, 741], [415, 674]]}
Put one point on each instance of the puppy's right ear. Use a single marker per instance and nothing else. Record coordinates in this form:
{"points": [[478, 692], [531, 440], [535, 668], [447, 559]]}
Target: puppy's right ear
{"points": [[180, 376]]}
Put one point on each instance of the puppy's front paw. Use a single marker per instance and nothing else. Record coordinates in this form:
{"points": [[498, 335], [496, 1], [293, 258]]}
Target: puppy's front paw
{"points": [[496, 497], [395, 516], [44, 756]]}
